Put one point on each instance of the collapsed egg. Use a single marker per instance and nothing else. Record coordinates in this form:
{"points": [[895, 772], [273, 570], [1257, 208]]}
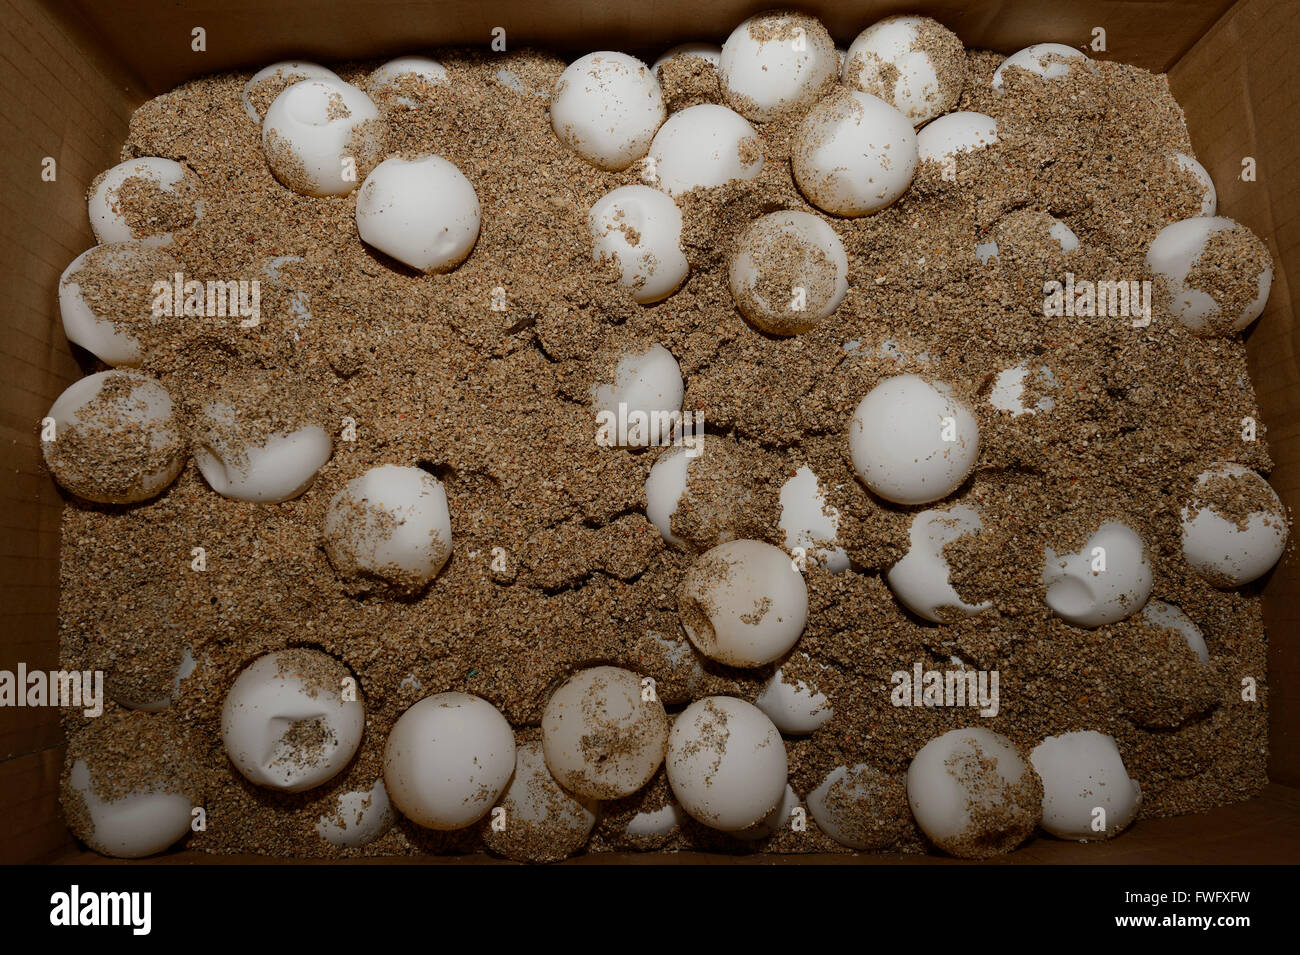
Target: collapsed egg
{"points": [[322, 137], [1087, 793], [1047, 60], [606, 107], [1216, 274], [542, 821], [914, 64], [359, 817], [788, 272], [107, 299], [704, 146], [775, 63], [1108, 579], [423, 212], [1234, 528], [146, 200], [921, 579], [639, 229]]}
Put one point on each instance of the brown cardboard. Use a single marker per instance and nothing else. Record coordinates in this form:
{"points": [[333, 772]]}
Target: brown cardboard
{"points": [[72, 73]]}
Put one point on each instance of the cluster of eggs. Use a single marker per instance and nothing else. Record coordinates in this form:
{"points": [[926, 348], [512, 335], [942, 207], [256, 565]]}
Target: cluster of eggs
{"points": [[293, 720]]}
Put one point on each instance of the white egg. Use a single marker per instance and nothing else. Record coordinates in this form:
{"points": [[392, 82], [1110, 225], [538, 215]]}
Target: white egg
{"points": [[1008, 390], [543, 822], [854, 154], [1222, 550], [322, 137], [604, 733], [788, 272], [279, 76], [409, 68], [743, 603], [135, 697], [267, 469], [606, 107], [775, 63], [652, 823], [640, 230], [796, 709], [707, 52], [900, 59], [1108, 579], [912, 442], [1165, 616], [1085, 786], [848, 804], [359, 817], [972, 794], [644, 400], [292, 720], [112, 338], [139, 824], [726, 763], [1179, 248], [704, 146], [774, 821], [1043, 59], [1209, 196], [810, 523], [956, 133], [390, 523], [422, 212], [665, 486], [1064, 236], [921, 579], [116, 438], [108, 208], [448, 759]]}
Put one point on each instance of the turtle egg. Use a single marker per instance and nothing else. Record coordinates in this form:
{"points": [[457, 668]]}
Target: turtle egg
{"points": [[810, 523], [639, 229], [704, 146], [1107, 580], [912, 442], [1234, 528], [972, 794], [955, 133], [706, 52], [788, 272], [1007, 392], [162, 194], [114, 438], [391, 523], [921, 579], [707, 483], [606, 107], [542, 821], [292, 720], [1165, 616], [643, 403], [604, 733], [154, 689], [321, 137], [854, 154], [774, 821], [656, 823], [1042, 59], [860, 807], [1087, 793], [1217, 273], [743, 603], [775, 63], [423, 212], [126, 273], [913, 63], [1209, 196], [448, 759], [795, 708], [358, 819], [270, 81], [400, 75], [726, 763]]}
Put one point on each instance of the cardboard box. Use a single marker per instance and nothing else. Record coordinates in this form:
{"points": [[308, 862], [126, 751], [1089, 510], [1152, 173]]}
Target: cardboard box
{"points": [[73, 72]]}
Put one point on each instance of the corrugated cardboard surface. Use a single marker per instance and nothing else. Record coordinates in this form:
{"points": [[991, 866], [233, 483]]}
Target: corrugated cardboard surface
{"points": [[72, 73]]}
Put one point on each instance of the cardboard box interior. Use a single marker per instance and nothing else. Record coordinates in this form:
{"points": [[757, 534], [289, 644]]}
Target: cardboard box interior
{"points": [[73, 72]]}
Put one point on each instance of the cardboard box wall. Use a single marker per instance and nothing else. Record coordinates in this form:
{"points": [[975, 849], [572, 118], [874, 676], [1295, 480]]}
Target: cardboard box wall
{"points": [[73, 72]]}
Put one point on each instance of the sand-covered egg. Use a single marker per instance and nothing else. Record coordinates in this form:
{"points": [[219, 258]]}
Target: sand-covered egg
{"points": [[1165, 616], [1106, 580], [709, 53], [921, 579], [114, 438], [358, 817], [541, 821], [108, 301], [794, 706], [703, 146], [270, 81], [323, 137], [726, 763], [1189, 165], [1022, 389], [854, 154], [788, 272], [1214, 274], [1234, 528], [606, 107], [448, 759], [146, 200], [1049, 61], [972, 793], [422, 212], [915, 64], [955, 133], [408, 79], [861, 807], [641, 405], [911, 441], [292, 719], [810, 523], [775, 63], [639, 230], [1087, 792], [604, 732], [743, 603]]}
